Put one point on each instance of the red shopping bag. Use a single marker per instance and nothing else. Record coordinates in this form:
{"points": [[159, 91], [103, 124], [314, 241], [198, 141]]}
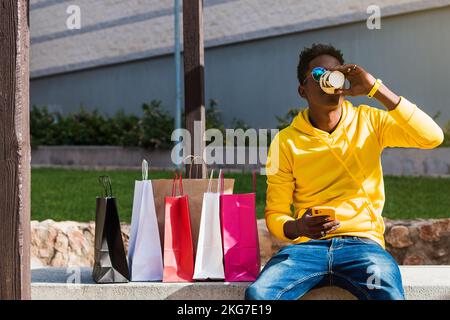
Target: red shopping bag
{"points": [[240, 236], [178, 247]]}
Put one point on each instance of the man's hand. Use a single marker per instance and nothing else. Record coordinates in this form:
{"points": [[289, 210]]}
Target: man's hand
{"points": [[361, 82], [311, 227]]}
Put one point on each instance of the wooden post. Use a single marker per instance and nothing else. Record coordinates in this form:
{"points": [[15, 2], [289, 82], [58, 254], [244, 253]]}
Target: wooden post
{"points": [[14, 151], [194, 86]]}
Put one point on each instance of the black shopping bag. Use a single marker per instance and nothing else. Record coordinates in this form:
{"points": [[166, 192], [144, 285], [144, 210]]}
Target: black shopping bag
{"points": [[110, 263]]}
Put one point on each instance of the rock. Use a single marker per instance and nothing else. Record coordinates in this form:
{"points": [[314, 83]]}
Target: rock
{"points": [[413, 259], [35, 262], [265, 241], [65, 243], [398, 237], [74, 259], [441, 252], [434, 230], [88, 232], [268, 244], [44, 253], [43, 237], [61, 243], [426, 233], [77, 241], [60, 260]]}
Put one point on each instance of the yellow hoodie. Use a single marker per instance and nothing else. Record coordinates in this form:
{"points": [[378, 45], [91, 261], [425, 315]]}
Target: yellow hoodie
{"points": [[309, 167]]}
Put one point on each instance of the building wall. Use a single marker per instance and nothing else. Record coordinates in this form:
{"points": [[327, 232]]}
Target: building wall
{"points": [[255, 81]]}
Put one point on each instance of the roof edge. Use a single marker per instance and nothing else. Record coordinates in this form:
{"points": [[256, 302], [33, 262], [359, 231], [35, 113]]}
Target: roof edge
{"points": [[387, 11]]}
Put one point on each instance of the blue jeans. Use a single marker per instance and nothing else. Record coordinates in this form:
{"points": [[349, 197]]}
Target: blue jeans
{"points": [[358, 265]]}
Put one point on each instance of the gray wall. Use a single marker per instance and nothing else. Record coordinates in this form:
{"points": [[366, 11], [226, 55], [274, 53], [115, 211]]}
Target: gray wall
{"points": [[256, 80]]}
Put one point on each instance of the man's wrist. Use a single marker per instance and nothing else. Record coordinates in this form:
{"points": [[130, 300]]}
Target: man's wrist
{"points": [[291, 229], [386, 97], [374, 88]]}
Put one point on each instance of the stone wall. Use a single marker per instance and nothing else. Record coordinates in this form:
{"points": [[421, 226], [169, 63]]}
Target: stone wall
{"points": [[411, 242], [414, 242], [66, 243]]}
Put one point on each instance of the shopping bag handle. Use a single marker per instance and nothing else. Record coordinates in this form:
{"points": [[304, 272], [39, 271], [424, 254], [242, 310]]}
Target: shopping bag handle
{"points": [[219, 183], [209, 182], [191, 164], [174, 181], [144, 170], [174, 184], [105, 182]]}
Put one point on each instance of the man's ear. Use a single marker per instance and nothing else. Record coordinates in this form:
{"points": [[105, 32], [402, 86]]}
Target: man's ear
{"points": [[302, 91]]}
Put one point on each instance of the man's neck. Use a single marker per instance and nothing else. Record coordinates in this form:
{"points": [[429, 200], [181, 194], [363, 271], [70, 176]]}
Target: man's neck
{"points": [[326, 120]]}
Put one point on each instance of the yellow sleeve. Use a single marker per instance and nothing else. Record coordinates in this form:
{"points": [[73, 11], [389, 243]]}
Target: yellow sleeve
{"points": [[406, 126], [280, 188]]}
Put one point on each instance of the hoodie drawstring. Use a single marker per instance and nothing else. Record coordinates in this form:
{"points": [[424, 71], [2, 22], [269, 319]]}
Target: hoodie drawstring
{"points": [[374, 216]]}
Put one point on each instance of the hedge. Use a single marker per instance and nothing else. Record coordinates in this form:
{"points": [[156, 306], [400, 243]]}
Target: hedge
{"points": [[152, 130]]}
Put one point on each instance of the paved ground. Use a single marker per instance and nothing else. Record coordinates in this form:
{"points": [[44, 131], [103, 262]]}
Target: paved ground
{"points": [[420, 282]]}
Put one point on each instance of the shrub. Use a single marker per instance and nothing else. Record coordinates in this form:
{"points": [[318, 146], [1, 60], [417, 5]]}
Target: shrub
{"points": [[155, 127], [213, 116], [43, 125], [152, 130], [446, 142], [84, 127], [285, 120], [125, 129]]}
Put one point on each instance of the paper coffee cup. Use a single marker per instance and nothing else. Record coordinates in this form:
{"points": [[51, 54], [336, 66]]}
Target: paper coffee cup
{"points": [[336, 79], [331, 80]]}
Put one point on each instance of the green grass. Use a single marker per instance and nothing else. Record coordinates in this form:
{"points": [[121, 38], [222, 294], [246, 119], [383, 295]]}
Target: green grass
{"points": [[416, 197], [61, 194]]}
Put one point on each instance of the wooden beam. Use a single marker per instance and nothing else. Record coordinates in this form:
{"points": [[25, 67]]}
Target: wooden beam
{"points": [[14, 150], [194, 86]]}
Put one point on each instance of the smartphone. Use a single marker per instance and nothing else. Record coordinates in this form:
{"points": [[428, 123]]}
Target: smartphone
{"points": [[324, 211]]}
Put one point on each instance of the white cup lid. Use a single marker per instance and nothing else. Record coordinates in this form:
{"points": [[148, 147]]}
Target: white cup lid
{"points": [[336, 79]]}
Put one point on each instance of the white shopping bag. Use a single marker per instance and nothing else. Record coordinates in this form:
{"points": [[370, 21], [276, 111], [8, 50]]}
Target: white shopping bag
{"points": [[144, 251], [209, 257]]}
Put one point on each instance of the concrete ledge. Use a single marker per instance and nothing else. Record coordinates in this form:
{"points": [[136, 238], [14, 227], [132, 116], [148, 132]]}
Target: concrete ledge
{"points": [[395, 161], [420, 283]]}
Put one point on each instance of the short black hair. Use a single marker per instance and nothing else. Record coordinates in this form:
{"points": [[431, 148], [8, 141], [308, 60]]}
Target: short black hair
{"points": [[314, 51]]}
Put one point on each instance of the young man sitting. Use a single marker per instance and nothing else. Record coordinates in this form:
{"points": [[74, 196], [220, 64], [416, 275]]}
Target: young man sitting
{"points": [[330, 155]]}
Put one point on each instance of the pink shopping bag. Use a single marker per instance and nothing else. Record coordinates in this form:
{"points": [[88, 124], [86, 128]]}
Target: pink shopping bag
{"points": [[240, 235]]}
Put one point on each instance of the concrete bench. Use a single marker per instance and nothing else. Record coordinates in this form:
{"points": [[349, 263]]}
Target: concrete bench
{"points": [[420, 282]]}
